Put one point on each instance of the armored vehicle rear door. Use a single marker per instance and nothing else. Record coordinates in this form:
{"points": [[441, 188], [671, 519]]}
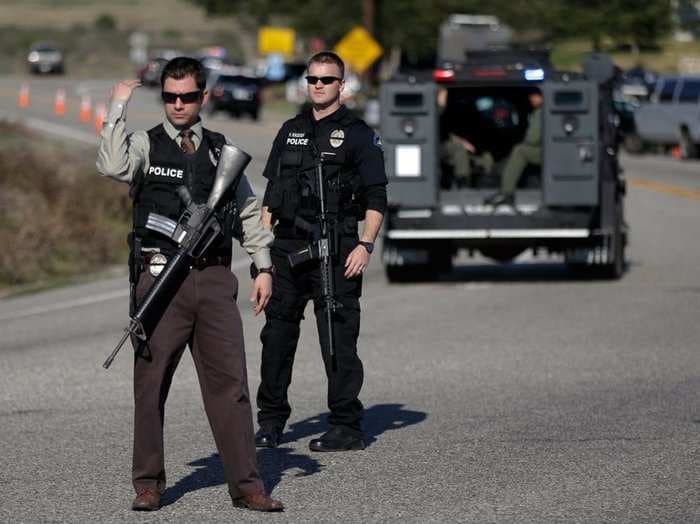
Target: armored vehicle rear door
{"points": [[410, 136], [570, 143]]}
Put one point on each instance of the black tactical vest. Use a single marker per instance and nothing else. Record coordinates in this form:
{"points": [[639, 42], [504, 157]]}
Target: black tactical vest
{"points": [[294, 190], [169, 167]]}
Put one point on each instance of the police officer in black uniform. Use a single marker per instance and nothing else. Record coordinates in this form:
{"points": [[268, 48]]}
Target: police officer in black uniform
{"points": [[353, 165], [203, 314]]}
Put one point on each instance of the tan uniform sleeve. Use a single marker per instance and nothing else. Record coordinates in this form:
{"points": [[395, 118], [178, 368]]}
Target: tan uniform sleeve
{"points": [[256, 238], [121, 153]]}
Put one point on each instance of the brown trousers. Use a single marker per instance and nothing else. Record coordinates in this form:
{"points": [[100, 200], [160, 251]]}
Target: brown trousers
{"points": [[204, 315]]}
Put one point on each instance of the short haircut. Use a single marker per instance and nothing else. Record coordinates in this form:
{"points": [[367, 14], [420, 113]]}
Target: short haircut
{"points": [[327, 57], [183, 66]]}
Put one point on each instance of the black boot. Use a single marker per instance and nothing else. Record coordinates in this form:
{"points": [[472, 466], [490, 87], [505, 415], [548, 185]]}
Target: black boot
{"points": [[268, 438], [338, 439], [500, 199]]}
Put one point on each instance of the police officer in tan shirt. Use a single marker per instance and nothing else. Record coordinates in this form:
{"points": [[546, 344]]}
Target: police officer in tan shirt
{"points": [[203, 314]]}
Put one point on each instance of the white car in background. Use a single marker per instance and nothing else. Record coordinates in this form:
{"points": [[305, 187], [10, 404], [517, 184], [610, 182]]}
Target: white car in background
{"points": [[672, 114], [45, 58]]}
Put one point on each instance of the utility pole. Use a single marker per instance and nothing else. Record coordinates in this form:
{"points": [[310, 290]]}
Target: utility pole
{"points": [[368, 8], [368, 15]]}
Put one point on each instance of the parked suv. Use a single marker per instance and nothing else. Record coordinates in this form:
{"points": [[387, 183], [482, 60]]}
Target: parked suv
{"points": [[672, 115], [236, 93]]}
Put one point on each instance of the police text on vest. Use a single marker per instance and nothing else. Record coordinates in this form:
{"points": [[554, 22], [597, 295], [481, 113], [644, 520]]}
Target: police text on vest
{"points": [[170, 172]]}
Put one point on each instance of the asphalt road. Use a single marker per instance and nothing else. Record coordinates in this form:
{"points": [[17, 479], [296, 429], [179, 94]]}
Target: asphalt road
{"points": [[509, 393]]}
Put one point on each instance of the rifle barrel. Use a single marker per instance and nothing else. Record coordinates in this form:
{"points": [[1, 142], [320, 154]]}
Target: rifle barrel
{"points": [[110, 358]]}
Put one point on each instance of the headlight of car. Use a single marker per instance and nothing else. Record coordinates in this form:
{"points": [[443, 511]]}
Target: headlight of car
{"points": [[33, 57]]}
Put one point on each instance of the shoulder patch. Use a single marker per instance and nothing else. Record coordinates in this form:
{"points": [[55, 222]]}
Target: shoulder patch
{"points": [[377, 141]]}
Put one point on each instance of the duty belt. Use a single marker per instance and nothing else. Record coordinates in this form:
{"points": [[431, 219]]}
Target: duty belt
{"points": [[198, 263]]}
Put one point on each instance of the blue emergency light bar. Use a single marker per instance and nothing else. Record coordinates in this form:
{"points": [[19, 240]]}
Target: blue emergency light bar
{"points": [[534, 75]]}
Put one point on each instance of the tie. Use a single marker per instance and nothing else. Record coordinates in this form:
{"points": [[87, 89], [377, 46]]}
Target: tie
{"points": [[186, 143]]}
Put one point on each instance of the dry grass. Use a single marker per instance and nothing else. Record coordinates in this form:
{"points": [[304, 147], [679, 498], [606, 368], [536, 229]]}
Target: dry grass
{"points": [[143, 15], [57, 217], [97, 53]]}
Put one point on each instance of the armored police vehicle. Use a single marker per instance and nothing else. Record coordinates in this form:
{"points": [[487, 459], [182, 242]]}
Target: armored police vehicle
{"points": [[570, 204]]}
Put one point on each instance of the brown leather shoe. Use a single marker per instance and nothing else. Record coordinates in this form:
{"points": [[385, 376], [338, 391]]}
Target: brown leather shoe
{"points": [[258, 502], [146, 500]]}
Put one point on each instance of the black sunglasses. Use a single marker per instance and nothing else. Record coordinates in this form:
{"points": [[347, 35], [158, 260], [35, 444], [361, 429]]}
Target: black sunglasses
{"points": [[187, 98], [325, 80]]}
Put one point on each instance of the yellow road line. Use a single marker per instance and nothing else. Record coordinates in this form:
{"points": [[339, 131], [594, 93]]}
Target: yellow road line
{"points": [[664, 188]]}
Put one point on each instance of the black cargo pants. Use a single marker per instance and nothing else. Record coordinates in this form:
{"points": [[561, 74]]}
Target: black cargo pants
{"points": [[291, 291]]}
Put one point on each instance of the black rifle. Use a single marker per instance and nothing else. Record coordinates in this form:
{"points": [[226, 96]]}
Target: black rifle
{"points": [[322, 248], [197, 228]]}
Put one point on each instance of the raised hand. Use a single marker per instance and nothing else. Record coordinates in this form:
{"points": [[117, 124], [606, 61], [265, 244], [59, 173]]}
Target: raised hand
{"points": [[121, 91]]}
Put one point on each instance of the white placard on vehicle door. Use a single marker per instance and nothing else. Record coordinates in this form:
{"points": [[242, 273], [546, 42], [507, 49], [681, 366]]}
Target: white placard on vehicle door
{"points": [[407, 160]]}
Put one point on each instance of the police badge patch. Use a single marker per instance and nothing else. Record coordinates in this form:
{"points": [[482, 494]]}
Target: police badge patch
{"points": [[377, 140], [157, 263], [337, 137]]}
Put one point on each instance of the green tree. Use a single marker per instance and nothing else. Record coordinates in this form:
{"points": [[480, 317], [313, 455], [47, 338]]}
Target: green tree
{"points": [[413, 25]]}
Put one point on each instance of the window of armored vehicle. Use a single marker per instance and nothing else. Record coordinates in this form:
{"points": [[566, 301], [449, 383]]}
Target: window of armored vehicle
{"points": [[568, 98], [667, 90], [408, 99], [690, 91]]}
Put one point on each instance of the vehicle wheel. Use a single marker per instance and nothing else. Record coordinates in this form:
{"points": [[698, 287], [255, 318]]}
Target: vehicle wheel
{"points": [[441, 261], [255, 115], [633, 144], [501, 253], [616, 268], [402, 274]]}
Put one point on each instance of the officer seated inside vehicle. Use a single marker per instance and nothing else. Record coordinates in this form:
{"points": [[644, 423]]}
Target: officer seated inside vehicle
{"points": [[462, 164], [527, 152], [478, 129]]}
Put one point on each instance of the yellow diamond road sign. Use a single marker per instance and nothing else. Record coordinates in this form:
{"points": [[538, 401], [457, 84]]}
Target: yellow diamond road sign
{"points": [[359, 49]]}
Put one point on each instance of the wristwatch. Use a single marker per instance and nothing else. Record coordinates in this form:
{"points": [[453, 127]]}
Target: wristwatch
{"points": [[254, 271], [369, 246]]}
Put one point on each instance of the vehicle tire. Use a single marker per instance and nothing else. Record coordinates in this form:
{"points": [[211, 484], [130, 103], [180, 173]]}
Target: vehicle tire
{"points": [[616, 268], [633, 144], [501, 253], [403, 274], [255, 115], [441, 261]]}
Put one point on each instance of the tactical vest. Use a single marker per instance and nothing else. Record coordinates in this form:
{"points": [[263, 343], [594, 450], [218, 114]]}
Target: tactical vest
{"points": [[156, 189], [294, 192]]}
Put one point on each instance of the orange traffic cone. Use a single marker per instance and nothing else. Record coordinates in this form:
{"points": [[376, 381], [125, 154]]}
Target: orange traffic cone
{"points": [[100, 114], [60, 105], [85, 109], [23, 100]]}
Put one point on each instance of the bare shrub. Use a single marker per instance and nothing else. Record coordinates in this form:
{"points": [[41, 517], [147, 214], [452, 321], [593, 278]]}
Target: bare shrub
{"points": [[57, 217]]}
